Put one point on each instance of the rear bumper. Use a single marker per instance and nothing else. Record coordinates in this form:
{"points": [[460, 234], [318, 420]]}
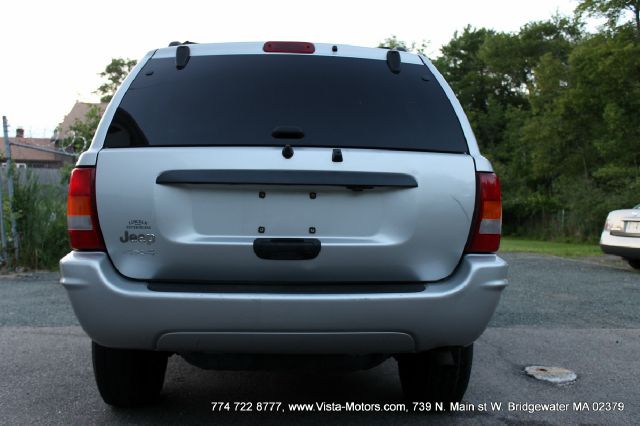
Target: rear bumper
{"points": [[117, 312], [626, 252], [627, 247]]}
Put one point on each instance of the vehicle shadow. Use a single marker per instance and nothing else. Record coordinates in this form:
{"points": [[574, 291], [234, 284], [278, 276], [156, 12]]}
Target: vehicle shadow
{"points": [[189, 393]]}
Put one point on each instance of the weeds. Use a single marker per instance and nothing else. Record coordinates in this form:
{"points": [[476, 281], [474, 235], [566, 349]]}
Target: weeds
{"points": [[40, 213]]}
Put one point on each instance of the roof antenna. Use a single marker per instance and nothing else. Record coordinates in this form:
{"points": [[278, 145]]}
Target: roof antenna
{"points": [[183, 53], [393, 61]]}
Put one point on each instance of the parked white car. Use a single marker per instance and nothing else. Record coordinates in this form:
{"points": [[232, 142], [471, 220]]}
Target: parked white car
{"points": [[621, 235]]}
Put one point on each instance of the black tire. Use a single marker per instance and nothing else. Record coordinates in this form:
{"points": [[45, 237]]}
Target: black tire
{"points": [[126, 377], [634, 263], [439, 375]]}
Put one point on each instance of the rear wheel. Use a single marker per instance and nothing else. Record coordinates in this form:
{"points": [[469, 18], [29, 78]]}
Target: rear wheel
{"points": [[128, 377], [635, 263], [438, 375]]}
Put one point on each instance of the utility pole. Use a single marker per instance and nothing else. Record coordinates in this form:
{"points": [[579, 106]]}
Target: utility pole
{"points": [[7, 151], [4, 239]]}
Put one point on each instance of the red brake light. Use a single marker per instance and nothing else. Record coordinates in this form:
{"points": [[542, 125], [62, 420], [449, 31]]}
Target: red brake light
{"points": [[82, 217], [487, 222], [289, 47]]}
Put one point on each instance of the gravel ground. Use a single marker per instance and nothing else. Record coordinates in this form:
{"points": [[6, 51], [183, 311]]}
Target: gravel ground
{"points": [[580, 314]]}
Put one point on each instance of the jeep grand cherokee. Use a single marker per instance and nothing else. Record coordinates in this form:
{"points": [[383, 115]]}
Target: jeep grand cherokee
{"points": [[281, 205]]}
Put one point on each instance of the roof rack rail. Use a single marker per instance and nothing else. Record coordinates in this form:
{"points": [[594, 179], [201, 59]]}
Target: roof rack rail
{"points": [[178, 43]]}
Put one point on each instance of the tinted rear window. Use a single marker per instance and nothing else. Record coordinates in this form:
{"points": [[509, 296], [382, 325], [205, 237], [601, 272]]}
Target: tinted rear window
{"points": [[241, 99]]}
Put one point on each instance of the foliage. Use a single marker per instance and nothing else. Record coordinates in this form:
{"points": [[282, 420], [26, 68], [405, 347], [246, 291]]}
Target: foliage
{"points": [[612, 10], [114, 73], [84, 130], [393, 43], [557, 111], [515, 245], [40, 212], [65, 173]]}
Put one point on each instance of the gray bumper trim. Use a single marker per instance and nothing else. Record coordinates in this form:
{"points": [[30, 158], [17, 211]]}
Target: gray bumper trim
{"points": [[118, 312]]}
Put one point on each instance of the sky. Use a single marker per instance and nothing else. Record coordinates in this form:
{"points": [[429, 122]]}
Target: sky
{"points": [[52, 51]]}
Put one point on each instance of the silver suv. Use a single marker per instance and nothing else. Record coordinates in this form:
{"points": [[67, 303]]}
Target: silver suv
{"points": [[281, 204]]}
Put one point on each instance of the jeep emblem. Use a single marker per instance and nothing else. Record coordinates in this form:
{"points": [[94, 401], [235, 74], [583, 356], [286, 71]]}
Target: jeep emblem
{"points": [[138, 238]]}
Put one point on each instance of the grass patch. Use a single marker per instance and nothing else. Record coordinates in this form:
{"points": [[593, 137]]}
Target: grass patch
{"points": [[548, 247]]}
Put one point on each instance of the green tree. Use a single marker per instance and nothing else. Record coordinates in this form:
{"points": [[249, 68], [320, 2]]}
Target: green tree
{"points": [[513, 56], [475, 85], [612, 10], [508, 84], [582, 135], [114, 73]]}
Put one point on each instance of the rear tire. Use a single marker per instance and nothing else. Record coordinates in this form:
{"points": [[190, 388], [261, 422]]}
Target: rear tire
{"points": [[438, 375], [127, 377], [634, 263]]}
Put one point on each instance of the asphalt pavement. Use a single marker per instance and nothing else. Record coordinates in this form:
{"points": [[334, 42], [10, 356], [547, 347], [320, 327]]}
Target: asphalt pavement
{"points": [[578, 314]]}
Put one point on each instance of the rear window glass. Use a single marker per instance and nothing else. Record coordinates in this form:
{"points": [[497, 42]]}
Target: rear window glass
{"points": [[239, 100]]}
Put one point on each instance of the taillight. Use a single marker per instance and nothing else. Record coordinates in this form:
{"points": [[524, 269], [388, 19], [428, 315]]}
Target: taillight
{"points": [[82, 217], [612, 224], [289, 47], [487, 223]]}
